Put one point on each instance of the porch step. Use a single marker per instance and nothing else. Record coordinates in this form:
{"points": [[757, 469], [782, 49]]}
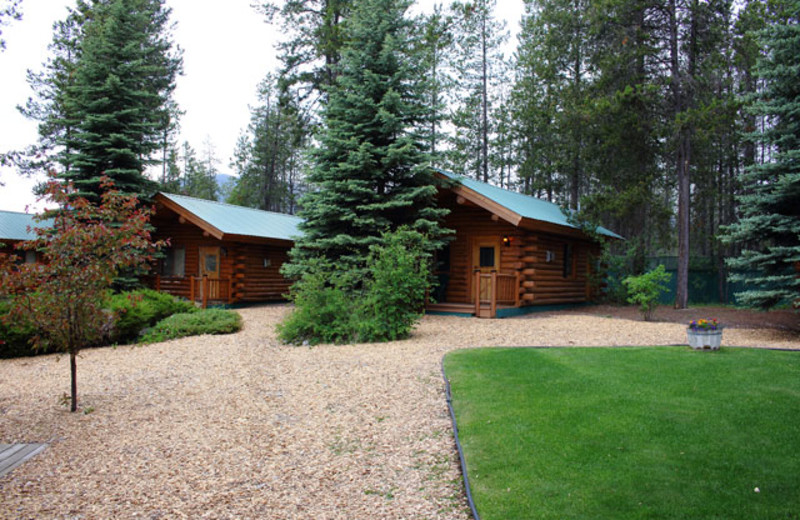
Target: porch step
{"points": [[460, 308]]}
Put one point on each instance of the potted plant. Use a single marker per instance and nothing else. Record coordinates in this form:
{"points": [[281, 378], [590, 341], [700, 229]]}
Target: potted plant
{"points": [[704, 334]]}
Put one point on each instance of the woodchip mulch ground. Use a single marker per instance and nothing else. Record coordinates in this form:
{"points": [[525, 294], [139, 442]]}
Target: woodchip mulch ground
{"points": [[241, 426]]}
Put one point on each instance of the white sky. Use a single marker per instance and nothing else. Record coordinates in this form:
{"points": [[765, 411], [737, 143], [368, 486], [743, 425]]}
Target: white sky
{"points": [[227, 51]]}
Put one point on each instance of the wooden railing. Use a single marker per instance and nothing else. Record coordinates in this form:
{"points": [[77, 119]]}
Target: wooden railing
{"points": [[207, 289], [493, 289]]}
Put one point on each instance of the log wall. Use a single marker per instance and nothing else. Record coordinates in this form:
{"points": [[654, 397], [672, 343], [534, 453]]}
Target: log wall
{"points": [[542, 282], [254, 279], [471, 223]]}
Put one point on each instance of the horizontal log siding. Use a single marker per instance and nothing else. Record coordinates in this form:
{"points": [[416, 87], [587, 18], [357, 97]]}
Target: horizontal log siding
{"points": [[244, 262], [469, 222], [544, 282], [541, 282], [254, 282]]}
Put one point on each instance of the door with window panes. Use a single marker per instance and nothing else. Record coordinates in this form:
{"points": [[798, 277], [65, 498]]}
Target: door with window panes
{"points": [[209, 266], [485, 258]]}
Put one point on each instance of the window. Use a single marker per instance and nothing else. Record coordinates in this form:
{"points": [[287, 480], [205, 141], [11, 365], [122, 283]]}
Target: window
{"points": [[567, 260], [486, 257], [174, 261]]}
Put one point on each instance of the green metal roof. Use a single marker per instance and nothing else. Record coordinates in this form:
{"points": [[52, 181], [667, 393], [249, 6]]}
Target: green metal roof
{"points": [[238, 220], [14, 225], [523, 205]]}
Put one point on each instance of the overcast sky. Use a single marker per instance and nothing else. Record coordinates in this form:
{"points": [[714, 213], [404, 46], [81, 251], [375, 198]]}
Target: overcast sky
{"points": [[227, 47]]}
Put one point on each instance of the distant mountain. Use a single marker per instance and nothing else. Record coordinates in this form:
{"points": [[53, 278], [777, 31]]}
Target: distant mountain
{"points": [[223, 178]]}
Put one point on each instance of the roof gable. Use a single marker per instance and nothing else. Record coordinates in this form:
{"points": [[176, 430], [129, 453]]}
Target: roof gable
{"points": [[513, 206], [14, 225], [227, 220]]}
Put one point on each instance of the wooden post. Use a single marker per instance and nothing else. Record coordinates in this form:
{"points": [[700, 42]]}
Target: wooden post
{"points": [[205, 292], [191, 289], [477, 293], [230, 290], [158, 282], [493, 296], [517, 289]]}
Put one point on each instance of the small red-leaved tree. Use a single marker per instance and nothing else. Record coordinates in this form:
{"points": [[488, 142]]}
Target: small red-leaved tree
{"points": [[81, 254]]}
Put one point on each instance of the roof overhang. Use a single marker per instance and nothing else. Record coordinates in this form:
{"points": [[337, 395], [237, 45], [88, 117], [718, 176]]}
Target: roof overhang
{"points": [[189, 216], [512, 217]]}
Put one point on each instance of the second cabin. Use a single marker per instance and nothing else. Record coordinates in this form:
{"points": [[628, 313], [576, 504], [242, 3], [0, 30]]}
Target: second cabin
{"points": [[510, 251], [221, 253]]}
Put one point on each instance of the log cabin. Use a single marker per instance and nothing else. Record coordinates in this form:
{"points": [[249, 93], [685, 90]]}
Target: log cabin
{"points": [[511, 253], [15, 228], [220, 253]]}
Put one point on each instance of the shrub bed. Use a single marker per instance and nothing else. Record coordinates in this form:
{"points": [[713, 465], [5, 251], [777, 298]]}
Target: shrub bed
{"points": [[206, 321], [135, 311]]}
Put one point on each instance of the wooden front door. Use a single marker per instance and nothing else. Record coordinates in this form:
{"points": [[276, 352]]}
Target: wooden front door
{"points": [[485, 258], [209, 266]]}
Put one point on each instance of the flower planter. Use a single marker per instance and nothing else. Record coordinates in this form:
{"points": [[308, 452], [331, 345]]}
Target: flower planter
{"points": [[704, 339]]}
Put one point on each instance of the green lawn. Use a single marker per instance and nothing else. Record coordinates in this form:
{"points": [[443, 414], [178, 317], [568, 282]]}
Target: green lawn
{"points": [[629, 433]]}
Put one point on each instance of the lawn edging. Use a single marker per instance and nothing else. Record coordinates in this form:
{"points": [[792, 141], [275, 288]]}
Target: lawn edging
{"points": [[461, 458]]}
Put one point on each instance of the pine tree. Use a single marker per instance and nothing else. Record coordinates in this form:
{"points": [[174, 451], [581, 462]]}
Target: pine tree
{"points": [[311, 54], [479, 38], [119, 102], [200, 177], [435, 50], [369, 171], [267, 155], [770, 219]]}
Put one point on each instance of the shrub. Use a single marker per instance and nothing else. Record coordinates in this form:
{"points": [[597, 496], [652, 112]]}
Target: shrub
{"points": [[206, 321], [644, 290], [395, 294], [135, 311], [323, 313], [15, 338], [329, 309]]}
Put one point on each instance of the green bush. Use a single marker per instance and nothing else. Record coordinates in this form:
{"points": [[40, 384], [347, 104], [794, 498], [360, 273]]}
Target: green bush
{"points": [[645, 290], [15, 337], [323, 310], [390, 302], [135, 311], [395, 294], [206, 321]]}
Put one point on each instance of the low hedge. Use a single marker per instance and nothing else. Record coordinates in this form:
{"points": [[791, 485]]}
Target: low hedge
{"points": [[206, 321], [136, 311], [133, 311]]}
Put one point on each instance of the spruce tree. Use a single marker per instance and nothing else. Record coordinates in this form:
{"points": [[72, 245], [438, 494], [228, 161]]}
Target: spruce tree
{"points": [[119, 101], [770, 220], [369, 172]]}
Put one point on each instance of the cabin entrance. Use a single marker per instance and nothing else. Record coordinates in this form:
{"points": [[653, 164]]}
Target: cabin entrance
{"points": [[485, 259], [209, 266]]}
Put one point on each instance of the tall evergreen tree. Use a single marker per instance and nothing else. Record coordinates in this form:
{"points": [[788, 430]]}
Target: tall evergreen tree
{"points": [[268, 156], [435, 48], [124, 82], [311, 54], [479, 37], [369, 174], [770, 220], [104, 100]]}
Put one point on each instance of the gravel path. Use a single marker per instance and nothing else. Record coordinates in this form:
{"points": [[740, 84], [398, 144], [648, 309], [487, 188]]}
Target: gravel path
{"points": [[240, 426]]}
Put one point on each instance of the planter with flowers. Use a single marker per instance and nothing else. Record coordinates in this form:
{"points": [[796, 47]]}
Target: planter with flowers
{"points": [[704, 334]]}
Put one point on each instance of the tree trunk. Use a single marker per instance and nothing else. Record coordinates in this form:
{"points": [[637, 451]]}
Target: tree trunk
{"points": [[485, 100], [73, 370]]}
